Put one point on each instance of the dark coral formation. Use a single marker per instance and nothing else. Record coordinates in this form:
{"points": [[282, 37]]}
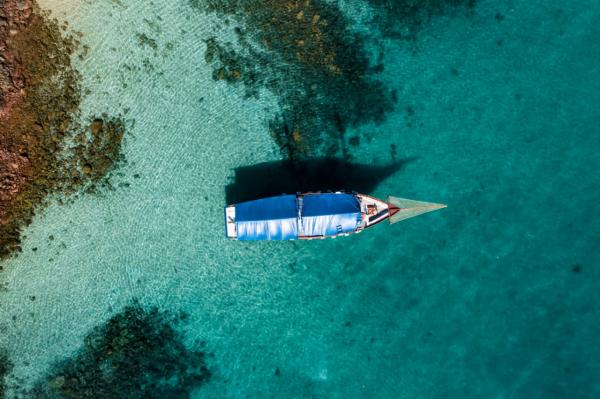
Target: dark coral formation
{"points": [[305, 53], [402, 19], [100, 148], [5, 369], [136, 354], [43, 148]]}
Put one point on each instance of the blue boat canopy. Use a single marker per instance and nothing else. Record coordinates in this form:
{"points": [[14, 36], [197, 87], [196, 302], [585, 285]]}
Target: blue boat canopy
{"points": [[287, 217], [274, 218], [329, 214]]}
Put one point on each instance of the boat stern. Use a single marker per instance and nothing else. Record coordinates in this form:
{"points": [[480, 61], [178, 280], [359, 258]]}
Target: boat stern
{"points": [[230, 230]]}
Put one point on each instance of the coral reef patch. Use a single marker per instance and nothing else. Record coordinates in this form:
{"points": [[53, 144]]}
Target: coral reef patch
{"points": [[44, 147], [307, 54], [138, 353]]}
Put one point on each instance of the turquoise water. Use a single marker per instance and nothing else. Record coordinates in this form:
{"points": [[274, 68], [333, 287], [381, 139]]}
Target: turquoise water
{"points": [[497, 115]]}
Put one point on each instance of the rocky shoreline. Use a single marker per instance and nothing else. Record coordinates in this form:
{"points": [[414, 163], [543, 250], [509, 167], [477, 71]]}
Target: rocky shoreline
{"points": [[44, 148]]}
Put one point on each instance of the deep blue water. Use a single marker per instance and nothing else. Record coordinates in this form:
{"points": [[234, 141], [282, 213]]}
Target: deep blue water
{"points": [[491, 107]]}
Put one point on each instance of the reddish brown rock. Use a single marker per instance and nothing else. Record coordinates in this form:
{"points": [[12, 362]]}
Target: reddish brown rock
{"points": [[14, 17], [14, 172]]}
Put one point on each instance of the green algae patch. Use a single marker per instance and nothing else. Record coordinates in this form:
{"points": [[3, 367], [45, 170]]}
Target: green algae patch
{"points": [[138, 353], [44, 150]]}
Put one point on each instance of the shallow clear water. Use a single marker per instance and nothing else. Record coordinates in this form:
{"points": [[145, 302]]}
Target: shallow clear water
{"points": [[495, 296]]}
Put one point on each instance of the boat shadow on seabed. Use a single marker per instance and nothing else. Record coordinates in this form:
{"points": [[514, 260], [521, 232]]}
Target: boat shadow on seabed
{"points": [[319, 174]]}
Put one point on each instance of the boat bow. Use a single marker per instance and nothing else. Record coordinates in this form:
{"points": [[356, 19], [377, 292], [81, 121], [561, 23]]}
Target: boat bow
{"points": [[402, 208]]}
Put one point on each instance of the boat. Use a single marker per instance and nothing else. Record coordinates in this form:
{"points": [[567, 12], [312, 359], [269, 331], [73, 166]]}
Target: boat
{"points": [[307, 216]]}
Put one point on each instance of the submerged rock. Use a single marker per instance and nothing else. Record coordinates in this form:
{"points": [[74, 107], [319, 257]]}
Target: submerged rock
{"points": [[103, 149], [136, 354], [14, 170]]}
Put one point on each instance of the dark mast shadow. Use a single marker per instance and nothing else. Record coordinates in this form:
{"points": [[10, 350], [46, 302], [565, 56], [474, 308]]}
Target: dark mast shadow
{"points": [[319, 174]]}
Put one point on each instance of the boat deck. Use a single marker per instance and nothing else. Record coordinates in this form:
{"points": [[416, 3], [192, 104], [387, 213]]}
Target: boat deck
{"points": [[374, 210]]}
